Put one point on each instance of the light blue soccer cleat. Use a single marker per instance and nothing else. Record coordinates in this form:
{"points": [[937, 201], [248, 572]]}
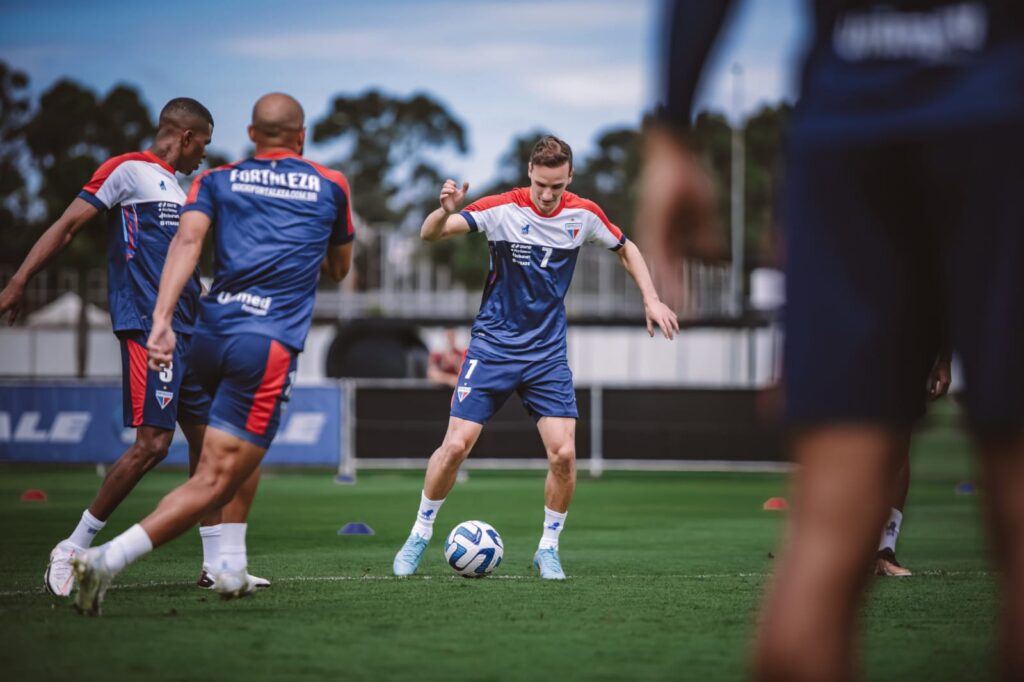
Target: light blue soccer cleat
{"points": [[547, 562], [408, 558]]}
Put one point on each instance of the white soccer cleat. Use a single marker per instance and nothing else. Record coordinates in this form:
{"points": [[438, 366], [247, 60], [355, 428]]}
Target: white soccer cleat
{"points": [[93, 576], [206, 579], [233, 584], [59, 578]]}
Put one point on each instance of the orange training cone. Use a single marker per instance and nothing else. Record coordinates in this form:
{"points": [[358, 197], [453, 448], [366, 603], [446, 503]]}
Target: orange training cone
{"points": [[775, 504], [33, 495]]}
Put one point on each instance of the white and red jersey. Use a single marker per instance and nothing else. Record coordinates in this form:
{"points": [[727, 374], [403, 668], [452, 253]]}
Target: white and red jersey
{"points": [[533, 257], [142, 199]]}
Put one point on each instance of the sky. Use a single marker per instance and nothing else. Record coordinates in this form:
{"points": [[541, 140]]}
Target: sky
{"points": [[502, 67]]}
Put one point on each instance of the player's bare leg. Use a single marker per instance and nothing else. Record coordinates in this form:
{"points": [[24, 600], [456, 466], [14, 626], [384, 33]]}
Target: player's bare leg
{"points": [[442, 470], [1002, 476], [225, 464], [559, 437], [148, 450], [885, 562], [211, 527], [443, 467], [840, 494]]}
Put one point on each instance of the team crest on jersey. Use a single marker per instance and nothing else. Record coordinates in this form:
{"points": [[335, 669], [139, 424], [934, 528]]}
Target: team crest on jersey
{"points": [[164, 398], [526, 228], [573, 230], [463, 391]]}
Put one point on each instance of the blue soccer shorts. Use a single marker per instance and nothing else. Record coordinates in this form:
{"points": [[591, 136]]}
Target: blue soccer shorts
{"points": [[159, 398], [893, 245], [249, 377], [544, 386]]}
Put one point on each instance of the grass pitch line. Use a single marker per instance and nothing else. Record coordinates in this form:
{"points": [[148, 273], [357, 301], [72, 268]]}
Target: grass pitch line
{"points": [[356, 578]]}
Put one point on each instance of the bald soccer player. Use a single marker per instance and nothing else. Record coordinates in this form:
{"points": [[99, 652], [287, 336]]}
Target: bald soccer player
{"points": [[141, 198], [280, 220]]}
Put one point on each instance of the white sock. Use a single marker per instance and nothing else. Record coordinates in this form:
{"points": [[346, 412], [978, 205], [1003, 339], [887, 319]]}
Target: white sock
{"points": [[86, 530], [127, 547], [232, 547], [891, 530], [210, 536], [424, 526], [553, 524]]}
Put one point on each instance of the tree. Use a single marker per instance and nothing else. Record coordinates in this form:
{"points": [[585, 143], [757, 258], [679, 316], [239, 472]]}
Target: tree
{"points": [[69, 135], [386, 140], [608, 175], [14, 108]]}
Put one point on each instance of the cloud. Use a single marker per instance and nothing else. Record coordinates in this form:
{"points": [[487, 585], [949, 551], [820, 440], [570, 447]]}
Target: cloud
{"points": [[619, 87]]}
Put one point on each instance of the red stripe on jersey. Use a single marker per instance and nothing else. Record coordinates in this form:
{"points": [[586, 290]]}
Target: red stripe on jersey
{"points": [[137, 372], [193, 191], [519, 197], [110, 165], [338, 178], [265, 400]]}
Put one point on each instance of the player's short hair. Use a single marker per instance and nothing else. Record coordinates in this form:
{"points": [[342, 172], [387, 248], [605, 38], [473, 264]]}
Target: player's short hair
{"points": [[551, 152], [184, 107]]}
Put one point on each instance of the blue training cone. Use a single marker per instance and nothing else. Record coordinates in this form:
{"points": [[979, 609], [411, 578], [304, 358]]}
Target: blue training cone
{"points": [[355, 528]]}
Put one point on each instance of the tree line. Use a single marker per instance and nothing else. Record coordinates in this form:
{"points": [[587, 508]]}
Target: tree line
{"points": [[385, 144]]}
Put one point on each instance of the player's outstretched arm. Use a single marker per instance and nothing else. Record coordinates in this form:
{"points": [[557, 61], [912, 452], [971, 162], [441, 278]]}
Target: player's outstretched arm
{"points": [[182, 258], [676, 213], [56, 237], [445, 221], [656, 312]]}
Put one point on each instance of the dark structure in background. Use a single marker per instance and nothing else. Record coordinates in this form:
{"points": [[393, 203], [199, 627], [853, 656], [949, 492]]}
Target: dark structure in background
{"points": [[646, 424]]}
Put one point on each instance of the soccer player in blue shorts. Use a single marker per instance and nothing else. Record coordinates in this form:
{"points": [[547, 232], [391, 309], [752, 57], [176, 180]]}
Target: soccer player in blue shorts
{"points": [[902, 208], [518, 339], [141, 198], [279, 221]]}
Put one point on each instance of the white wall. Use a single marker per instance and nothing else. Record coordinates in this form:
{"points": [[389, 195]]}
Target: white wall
{"points": [[707, 357]]}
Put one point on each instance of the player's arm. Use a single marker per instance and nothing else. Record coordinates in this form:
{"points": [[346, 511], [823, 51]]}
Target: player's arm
{"points": [[182, 257], [676, 212], [656, 312], [338, 261], [446, 221], [56, 237]]}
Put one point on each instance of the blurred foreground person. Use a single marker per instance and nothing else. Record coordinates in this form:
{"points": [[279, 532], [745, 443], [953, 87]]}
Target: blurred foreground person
{"points": [[903, 215], [279, 220]]}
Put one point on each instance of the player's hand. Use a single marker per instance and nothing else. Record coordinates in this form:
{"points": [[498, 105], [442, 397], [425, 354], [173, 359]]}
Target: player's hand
{"points": [[452, 196], [161, 346], [676, 212], [11, 300], [660, 314], [939, 379]]}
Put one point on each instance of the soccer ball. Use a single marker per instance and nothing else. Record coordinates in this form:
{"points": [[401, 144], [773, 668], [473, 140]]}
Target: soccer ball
{"points": [[473, 549]]}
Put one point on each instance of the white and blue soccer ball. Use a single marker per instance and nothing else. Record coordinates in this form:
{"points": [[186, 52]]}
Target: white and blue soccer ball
{"points": [[473, 549]]}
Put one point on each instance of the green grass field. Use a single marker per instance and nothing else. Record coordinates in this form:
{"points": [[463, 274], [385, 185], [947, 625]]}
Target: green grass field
{"points": [[665, 574]]}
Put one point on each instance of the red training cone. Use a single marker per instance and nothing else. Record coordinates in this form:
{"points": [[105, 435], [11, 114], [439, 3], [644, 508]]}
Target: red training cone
{"points": [[775, 504], [33, 495]]}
